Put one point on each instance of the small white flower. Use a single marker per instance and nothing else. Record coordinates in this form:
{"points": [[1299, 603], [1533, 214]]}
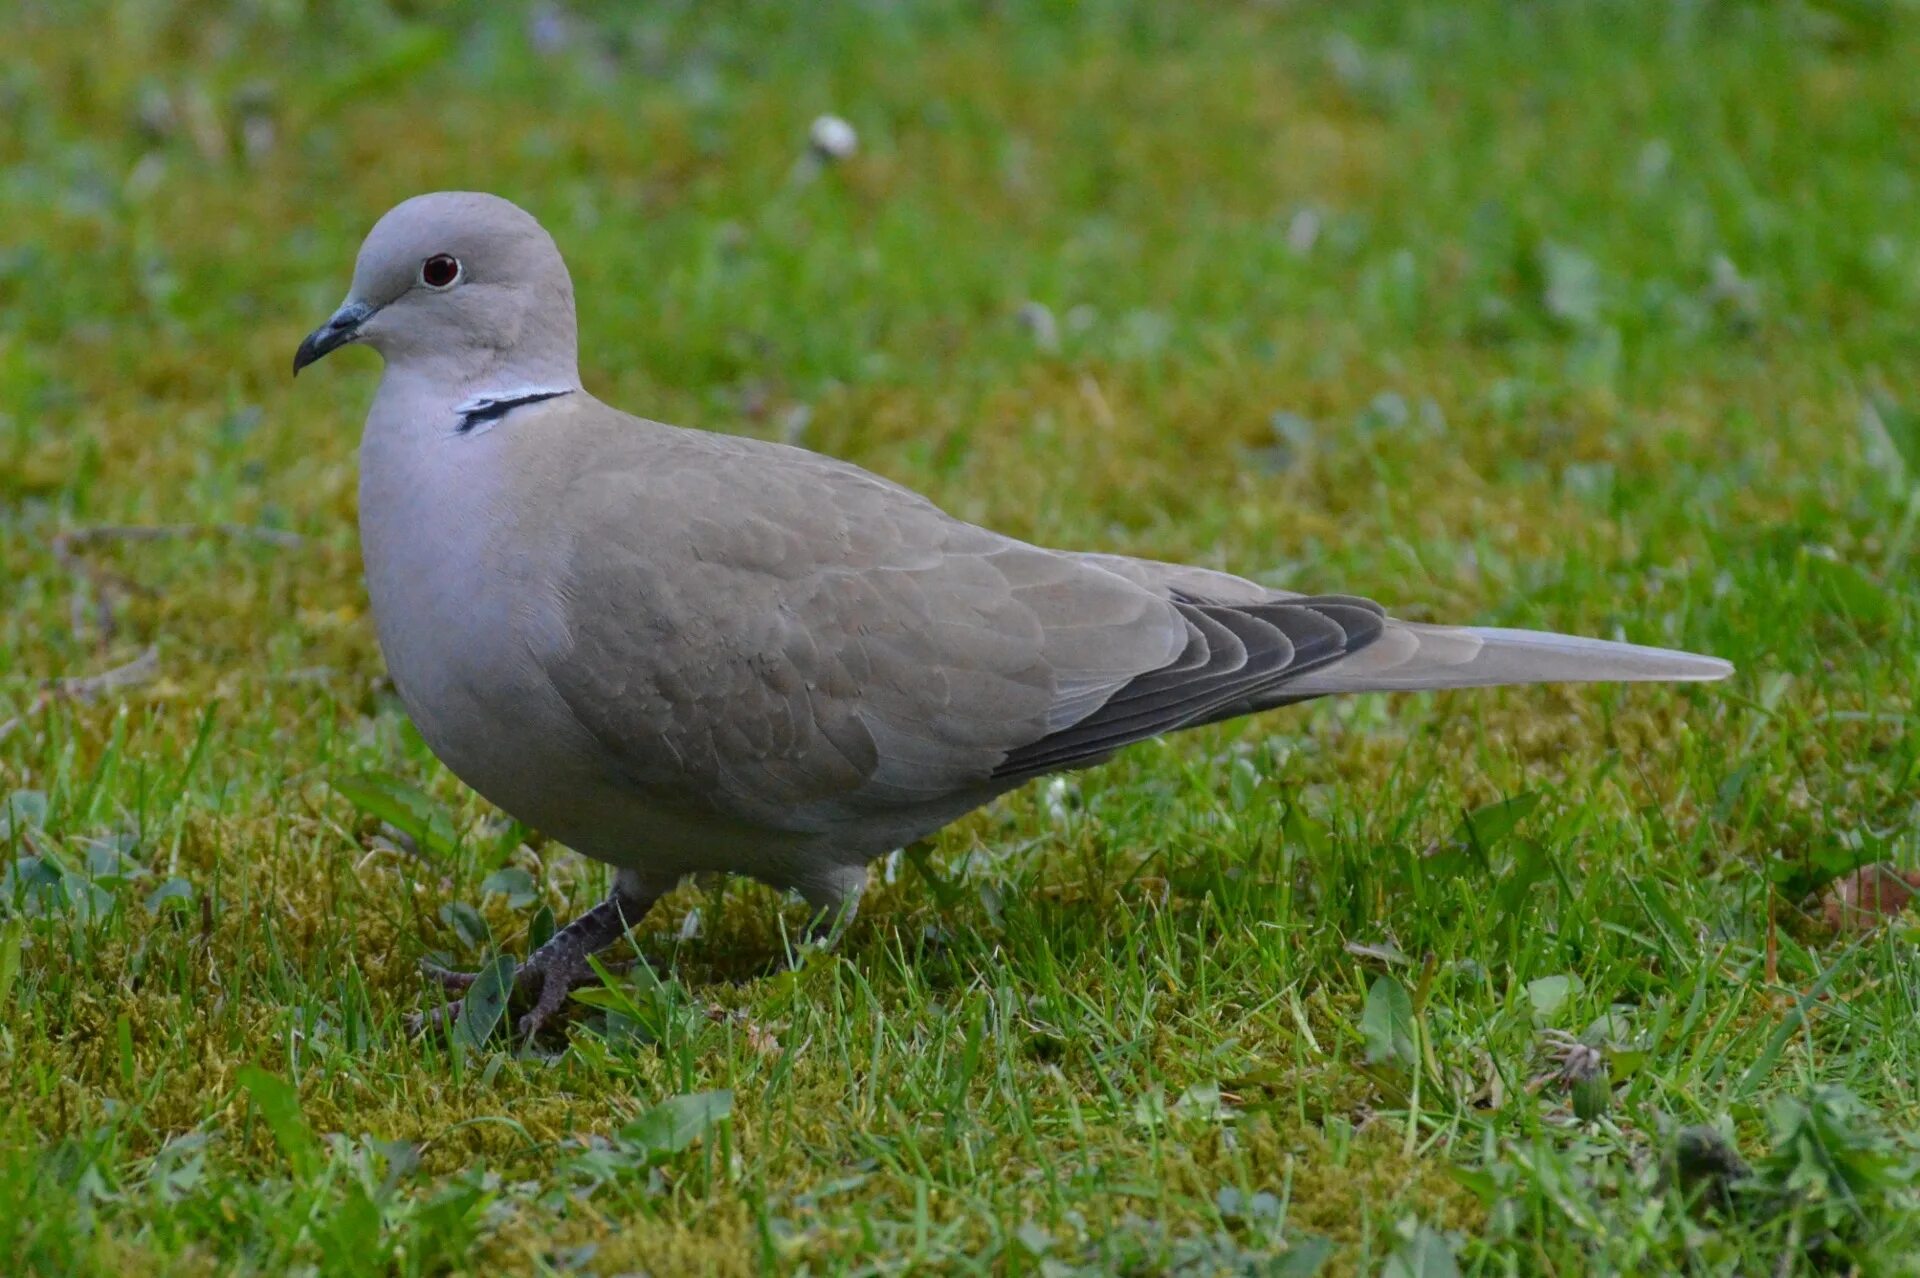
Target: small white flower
{"points": [[832, 138], [1061, 797]]}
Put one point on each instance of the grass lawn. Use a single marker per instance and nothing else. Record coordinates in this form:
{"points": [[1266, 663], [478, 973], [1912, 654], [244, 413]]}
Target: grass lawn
{"points": [[1594, 317]]}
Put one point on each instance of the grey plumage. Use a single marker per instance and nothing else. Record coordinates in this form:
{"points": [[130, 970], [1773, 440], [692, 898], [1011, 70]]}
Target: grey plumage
{"points": [[682, 652]]}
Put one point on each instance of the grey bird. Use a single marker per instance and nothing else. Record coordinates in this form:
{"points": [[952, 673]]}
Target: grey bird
{"points": [[681, 653]]}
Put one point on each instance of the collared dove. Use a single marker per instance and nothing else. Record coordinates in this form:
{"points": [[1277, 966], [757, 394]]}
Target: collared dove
{"points": [[681, 652]]}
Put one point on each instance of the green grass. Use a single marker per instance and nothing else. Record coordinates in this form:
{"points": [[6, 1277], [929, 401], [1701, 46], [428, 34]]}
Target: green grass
{"points": [[1597, 317]]}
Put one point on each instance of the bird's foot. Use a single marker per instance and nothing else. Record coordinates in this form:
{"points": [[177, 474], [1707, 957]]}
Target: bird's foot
{"points": [[449, 980], [557, 968], [834, 907], [825, 930], [546, 978]]}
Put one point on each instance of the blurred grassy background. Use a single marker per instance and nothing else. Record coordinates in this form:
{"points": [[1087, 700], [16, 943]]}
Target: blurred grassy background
{"points": [[1591, 316]]}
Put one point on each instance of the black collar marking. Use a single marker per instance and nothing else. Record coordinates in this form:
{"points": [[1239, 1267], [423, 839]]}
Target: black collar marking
{"points": [[492, 410]]}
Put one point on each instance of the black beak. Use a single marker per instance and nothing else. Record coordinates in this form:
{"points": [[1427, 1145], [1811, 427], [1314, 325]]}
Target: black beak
{"points": [[335, 333]]}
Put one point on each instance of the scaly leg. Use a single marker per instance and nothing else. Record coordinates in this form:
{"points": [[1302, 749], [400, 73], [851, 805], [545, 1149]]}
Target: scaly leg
{"points": [[835, 899], [557, 968]]}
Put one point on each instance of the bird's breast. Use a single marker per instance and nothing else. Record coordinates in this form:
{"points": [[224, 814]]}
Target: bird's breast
{"points": [[459, 593]]}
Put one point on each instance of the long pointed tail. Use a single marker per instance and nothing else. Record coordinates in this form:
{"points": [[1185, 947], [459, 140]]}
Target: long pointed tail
{"points": [[1411, 656]]}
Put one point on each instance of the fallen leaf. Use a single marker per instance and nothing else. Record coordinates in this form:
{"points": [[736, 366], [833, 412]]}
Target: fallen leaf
{"points": [[1868, 897], [1386, 1024], [677, 1122]]}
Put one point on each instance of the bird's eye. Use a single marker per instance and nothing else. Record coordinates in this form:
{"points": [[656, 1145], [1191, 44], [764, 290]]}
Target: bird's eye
{"points": [[440, 271]]}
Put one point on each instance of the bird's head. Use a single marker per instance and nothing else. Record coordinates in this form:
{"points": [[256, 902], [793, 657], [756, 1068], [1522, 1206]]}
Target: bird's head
{"points": [[461, 285]]}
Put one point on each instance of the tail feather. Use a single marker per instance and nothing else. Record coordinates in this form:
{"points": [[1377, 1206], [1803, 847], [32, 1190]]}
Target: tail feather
{"points": [[1410, 656]]}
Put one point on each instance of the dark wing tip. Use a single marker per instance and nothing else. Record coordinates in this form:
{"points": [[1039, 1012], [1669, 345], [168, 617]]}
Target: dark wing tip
{"points": [[1237, 657]]}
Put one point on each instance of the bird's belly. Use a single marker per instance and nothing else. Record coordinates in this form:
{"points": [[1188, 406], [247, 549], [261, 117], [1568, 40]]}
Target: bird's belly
{"points": [[454, 634], [466, 674], [480, 709]]}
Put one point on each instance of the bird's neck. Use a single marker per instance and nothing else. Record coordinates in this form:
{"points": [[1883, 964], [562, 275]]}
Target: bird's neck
{"points": [[428, 398], [432, 493]]}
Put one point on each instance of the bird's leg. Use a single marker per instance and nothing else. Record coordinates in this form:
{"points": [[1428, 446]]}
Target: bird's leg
{"points": [[560, 965], [835, 899]]}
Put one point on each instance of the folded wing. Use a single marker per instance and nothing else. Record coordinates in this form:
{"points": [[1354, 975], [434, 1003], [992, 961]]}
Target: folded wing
{"points": [[793, 640]]}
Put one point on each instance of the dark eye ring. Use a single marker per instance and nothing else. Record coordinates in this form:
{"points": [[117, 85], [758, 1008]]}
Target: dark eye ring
{"points": [[441, 270]]}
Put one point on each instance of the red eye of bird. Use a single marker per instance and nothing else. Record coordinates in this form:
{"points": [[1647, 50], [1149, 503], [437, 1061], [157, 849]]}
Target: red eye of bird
{"points": [[439, 271]]}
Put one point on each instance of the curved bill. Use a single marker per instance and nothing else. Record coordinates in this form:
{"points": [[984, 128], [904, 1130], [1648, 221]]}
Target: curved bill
{"points": [[342, 328]]}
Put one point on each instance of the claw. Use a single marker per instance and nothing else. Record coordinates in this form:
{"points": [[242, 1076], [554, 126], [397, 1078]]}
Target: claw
{"points": [[559, 965], [557, 981], [553, 981], [444, 1015], [451, 981]]}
